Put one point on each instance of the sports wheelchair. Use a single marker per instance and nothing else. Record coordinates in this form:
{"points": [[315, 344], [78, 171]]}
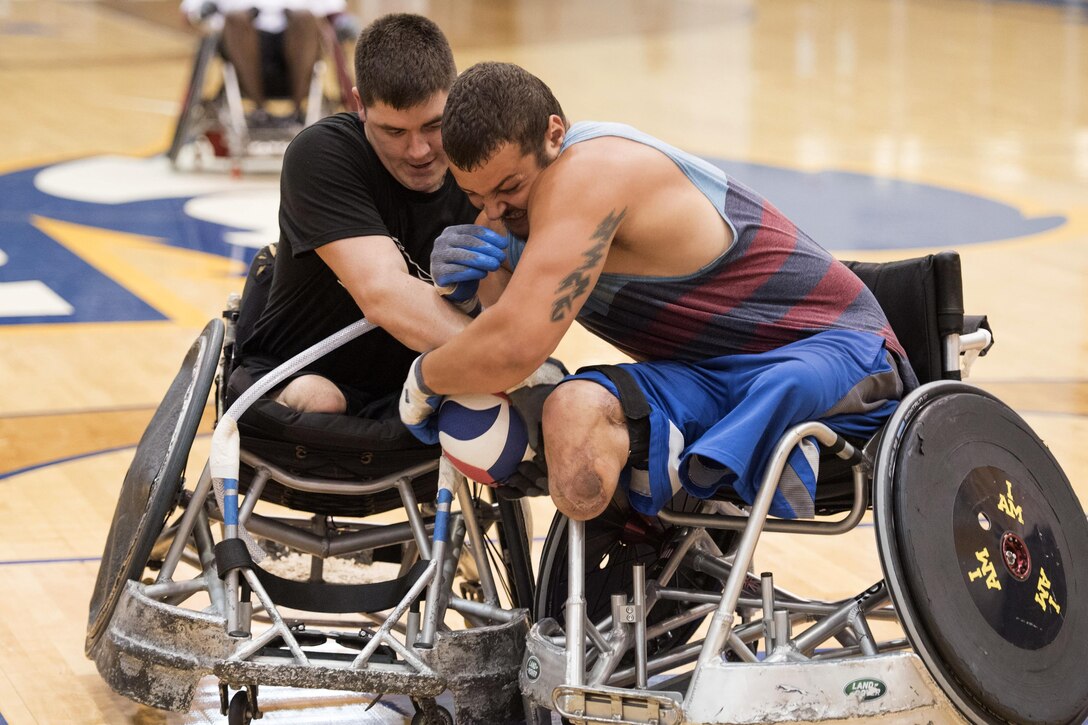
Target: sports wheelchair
{"points": [[341, 560], [213, 131], [982, 542]]}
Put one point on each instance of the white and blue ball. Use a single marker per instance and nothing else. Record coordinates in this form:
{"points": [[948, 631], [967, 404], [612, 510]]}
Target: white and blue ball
{"points": [[483, 436]]}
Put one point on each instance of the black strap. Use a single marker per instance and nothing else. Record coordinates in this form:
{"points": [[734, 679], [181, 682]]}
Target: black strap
{"points": [[635, 409], [339, 598], [231, 554]]}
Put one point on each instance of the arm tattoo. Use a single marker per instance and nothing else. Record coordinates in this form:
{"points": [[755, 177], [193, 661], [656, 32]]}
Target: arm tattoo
{"points": [[576, 284]]}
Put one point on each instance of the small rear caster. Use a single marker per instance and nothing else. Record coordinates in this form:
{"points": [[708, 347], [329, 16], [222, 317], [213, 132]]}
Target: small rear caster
{"points": [[239, 713], [243, 705]]}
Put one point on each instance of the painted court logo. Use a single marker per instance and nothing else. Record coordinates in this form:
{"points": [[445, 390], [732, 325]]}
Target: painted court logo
{"points": [[866, 688], [79, 239]]}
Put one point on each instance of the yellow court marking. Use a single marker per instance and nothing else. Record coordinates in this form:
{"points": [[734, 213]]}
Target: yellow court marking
{"points": [[132, 260]]}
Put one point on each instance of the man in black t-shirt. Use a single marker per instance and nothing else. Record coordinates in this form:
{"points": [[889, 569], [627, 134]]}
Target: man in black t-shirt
{"points": [[362, 199]]}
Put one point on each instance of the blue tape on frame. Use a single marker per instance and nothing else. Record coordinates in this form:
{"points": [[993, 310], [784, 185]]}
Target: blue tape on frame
{"points": [[230, 501], [445, 496], [441, 525]]}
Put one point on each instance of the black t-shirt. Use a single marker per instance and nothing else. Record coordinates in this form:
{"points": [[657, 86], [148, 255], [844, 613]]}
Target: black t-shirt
{"points": [[333, 186]]}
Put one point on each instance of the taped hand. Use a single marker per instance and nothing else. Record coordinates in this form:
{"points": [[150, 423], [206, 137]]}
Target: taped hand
{"points": [[418, 405], [462, 256]]}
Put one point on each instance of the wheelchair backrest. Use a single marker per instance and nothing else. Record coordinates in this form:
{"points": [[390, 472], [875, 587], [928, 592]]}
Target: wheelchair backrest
{"points": [[254, 298], [923, 300]]}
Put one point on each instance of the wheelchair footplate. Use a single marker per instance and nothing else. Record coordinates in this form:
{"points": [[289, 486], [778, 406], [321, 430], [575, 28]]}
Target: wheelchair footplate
{"points": [[617, 706], [893, 687]]}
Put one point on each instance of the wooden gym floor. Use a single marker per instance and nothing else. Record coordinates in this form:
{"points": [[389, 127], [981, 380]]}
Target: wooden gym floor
{"points": [[887, 128]]}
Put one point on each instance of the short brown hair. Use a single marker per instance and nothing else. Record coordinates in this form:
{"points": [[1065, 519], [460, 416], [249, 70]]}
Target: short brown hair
{"points": [[495, 103], [402, 60]]}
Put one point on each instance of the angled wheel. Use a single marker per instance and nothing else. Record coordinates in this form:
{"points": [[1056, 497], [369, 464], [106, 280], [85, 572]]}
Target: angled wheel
{"points": [[985, 549], [154, 479]]}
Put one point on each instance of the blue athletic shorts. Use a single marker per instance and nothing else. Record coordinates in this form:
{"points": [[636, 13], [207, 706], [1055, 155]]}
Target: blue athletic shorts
{"points": [[715, 423]]}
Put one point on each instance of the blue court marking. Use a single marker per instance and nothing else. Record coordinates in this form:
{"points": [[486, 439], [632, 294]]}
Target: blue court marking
{"points": [[840, 210], [95, 297], [844, 210], [58, 461], [76, 457], [65, 560]]}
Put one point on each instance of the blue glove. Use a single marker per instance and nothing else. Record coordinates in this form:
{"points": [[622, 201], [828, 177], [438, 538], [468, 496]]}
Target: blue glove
{"points": [[418, 404], [462, 256]]}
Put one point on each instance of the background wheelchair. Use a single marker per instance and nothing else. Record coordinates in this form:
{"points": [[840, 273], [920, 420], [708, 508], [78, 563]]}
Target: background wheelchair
{"points": [[983, 545], [381, 585], [214, 132]]}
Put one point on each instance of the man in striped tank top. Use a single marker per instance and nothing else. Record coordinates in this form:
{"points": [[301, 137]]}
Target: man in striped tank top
{"points": [[740, 324]]}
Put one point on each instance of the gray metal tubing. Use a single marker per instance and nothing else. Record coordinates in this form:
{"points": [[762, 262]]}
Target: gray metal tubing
{"points": [[232, 603], [740, 648], [432, 614], [449, 568], [415, 518], [861, 630], [738, 523], [891, 645], [576, 603], [766, 590], [448, 483], [253, 494], [802, 607], [667, 572], [476, 542], [481, 609], [681, 656], [309, 543], [639, 586], [689, 540], [876, 596], [344, 488], [680, 619], [171, 589], [205, 546], [247, 650], [721, 622], [185, 526], [951, 356], [363, 659], [277, 623]]}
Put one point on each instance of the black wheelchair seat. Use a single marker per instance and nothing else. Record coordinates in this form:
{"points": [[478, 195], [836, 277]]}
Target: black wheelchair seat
{"points": [[332, 448]]}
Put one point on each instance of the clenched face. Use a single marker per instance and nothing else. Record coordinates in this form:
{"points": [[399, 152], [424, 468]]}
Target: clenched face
{"points": [[501, 186], [409, 141]]}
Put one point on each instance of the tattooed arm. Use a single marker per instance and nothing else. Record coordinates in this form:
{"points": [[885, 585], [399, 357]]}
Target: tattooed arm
{"points": [[573, 224]]}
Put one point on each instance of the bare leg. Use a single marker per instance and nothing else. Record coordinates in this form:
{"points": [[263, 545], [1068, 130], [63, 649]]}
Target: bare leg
{"points": [[586, 444], [302, 49], [243, 49], [312, 394]]}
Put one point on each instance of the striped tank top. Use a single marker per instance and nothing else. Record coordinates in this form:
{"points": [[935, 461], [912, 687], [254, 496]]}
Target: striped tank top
{"points": [[773, 286]]}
